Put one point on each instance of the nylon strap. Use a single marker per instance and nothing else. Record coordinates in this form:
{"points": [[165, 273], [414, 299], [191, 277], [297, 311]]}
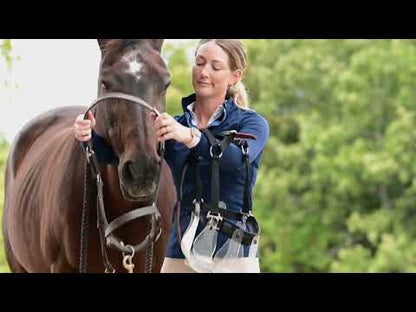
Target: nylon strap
{"points": [[216, 150], [247, 198]]}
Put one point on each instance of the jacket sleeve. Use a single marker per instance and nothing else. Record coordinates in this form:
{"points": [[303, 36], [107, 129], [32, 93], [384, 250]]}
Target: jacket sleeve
{"points": [[103, 151], [254, 124], [169, 152]]}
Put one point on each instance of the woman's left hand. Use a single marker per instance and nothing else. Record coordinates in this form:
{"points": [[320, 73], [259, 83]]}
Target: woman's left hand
{"points": [[168, 128]]}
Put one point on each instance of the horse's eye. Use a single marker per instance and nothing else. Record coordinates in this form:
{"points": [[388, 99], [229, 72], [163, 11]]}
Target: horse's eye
{"points": [[105, 85], [167, 84]]}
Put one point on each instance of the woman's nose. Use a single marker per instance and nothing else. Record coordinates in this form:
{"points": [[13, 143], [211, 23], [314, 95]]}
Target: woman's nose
{"points": [[204, 71]]}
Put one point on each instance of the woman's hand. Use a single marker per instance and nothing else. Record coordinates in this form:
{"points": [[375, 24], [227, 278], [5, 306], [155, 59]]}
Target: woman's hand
{"points": [[168, 128], [82, 127]]}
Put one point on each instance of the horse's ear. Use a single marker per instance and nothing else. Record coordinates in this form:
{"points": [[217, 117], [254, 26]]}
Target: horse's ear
{"points": [[157, 44], [103, 43]]}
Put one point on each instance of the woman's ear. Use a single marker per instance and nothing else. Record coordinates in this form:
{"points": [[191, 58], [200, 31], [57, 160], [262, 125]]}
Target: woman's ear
{"points": [[237, 75]]}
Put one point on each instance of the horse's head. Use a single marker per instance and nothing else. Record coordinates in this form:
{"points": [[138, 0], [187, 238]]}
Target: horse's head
{"points": [[134, 67]]}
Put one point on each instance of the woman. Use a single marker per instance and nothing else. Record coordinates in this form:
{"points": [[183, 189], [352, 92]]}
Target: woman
{"points": [[219, 104]]}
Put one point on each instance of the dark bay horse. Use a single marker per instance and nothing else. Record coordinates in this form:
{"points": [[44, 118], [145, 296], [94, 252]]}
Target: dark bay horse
{"points": [[44, 172]]}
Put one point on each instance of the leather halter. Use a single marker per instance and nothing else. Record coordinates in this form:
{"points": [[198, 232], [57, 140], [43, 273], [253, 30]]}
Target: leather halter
{"points": [[122, 96], [106, 229]]}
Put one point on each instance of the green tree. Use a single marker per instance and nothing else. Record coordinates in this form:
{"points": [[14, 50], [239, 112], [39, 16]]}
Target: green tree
{"points": [[179, 64], [336, 192], [7, 58], [4, 149], [5, 52]]}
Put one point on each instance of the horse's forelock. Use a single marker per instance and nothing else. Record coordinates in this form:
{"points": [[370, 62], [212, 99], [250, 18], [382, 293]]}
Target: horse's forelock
{"points": [[119, 45], [122, 50]]}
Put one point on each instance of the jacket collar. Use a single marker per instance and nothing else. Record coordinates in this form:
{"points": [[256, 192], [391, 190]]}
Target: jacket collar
{"points": [[229, 104]]}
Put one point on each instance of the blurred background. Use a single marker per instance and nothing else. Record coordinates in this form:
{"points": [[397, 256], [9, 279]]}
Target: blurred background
{"points": [[336, 191]]}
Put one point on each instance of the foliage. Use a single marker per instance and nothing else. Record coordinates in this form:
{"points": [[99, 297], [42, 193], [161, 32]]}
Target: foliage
{"points": [[179, 64], [6, 56], [5, 52], [336, 191], [4, 149]]}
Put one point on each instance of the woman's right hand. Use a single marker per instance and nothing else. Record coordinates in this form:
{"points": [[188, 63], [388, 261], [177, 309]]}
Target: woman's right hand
{"points": [[82, 127]]}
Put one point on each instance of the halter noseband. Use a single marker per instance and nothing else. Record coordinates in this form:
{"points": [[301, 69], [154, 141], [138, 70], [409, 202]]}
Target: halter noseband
{"points": [[122, 96]]}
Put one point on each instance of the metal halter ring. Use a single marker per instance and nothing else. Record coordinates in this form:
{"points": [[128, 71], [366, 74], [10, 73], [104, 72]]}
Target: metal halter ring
{"points": [[89, 152], [211, 151], [128, 259], [128, 246], [245, 149]]}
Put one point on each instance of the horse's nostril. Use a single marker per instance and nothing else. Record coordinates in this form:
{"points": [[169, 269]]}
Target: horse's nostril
{"points": [[134, 171], [126, 172], [129, 171], [140, 172]]}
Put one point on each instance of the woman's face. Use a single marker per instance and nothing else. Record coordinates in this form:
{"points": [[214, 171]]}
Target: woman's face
{"points": [[211, 73]]}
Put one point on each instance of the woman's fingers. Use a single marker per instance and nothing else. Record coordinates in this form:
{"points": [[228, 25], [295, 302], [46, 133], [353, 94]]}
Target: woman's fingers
{"points": [[162, 131], [82, 133], [83, 123], [80, 121], [166, 136], [164, 120], [90, 116], [83, 139], [166, 133], [86, 122], [82, 128], [167, 128]]}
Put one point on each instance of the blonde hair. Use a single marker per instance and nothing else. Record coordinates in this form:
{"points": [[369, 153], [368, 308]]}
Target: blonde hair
{"points": [[237, 56]]}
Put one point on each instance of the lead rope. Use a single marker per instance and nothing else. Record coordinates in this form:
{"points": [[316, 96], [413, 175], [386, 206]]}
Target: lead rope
{"points": [[85, 218], [149, 251], [148, 265]]}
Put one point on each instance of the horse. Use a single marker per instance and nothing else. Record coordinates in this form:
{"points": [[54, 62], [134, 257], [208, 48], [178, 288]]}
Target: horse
{"points": [[44, 172]]}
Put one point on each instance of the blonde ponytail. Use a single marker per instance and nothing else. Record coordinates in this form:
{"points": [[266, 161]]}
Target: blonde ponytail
{"points": [[239, 93]]}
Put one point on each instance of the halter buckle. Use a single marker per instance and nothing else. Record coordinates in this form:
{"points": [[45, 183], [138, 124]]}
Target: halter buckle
{"points": [[128, 259], [89, 152], [245, 148], [213, 220]]}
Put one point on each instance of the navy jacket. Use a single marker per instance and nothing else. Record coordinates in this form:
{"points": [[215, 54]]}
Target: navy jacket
{"points": [[232, 166]]}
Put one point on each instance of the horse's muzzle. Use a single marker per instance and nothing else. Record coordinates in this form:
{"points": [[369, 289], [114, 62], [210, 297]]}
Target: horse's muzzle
{"points": [[138, 179]]}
